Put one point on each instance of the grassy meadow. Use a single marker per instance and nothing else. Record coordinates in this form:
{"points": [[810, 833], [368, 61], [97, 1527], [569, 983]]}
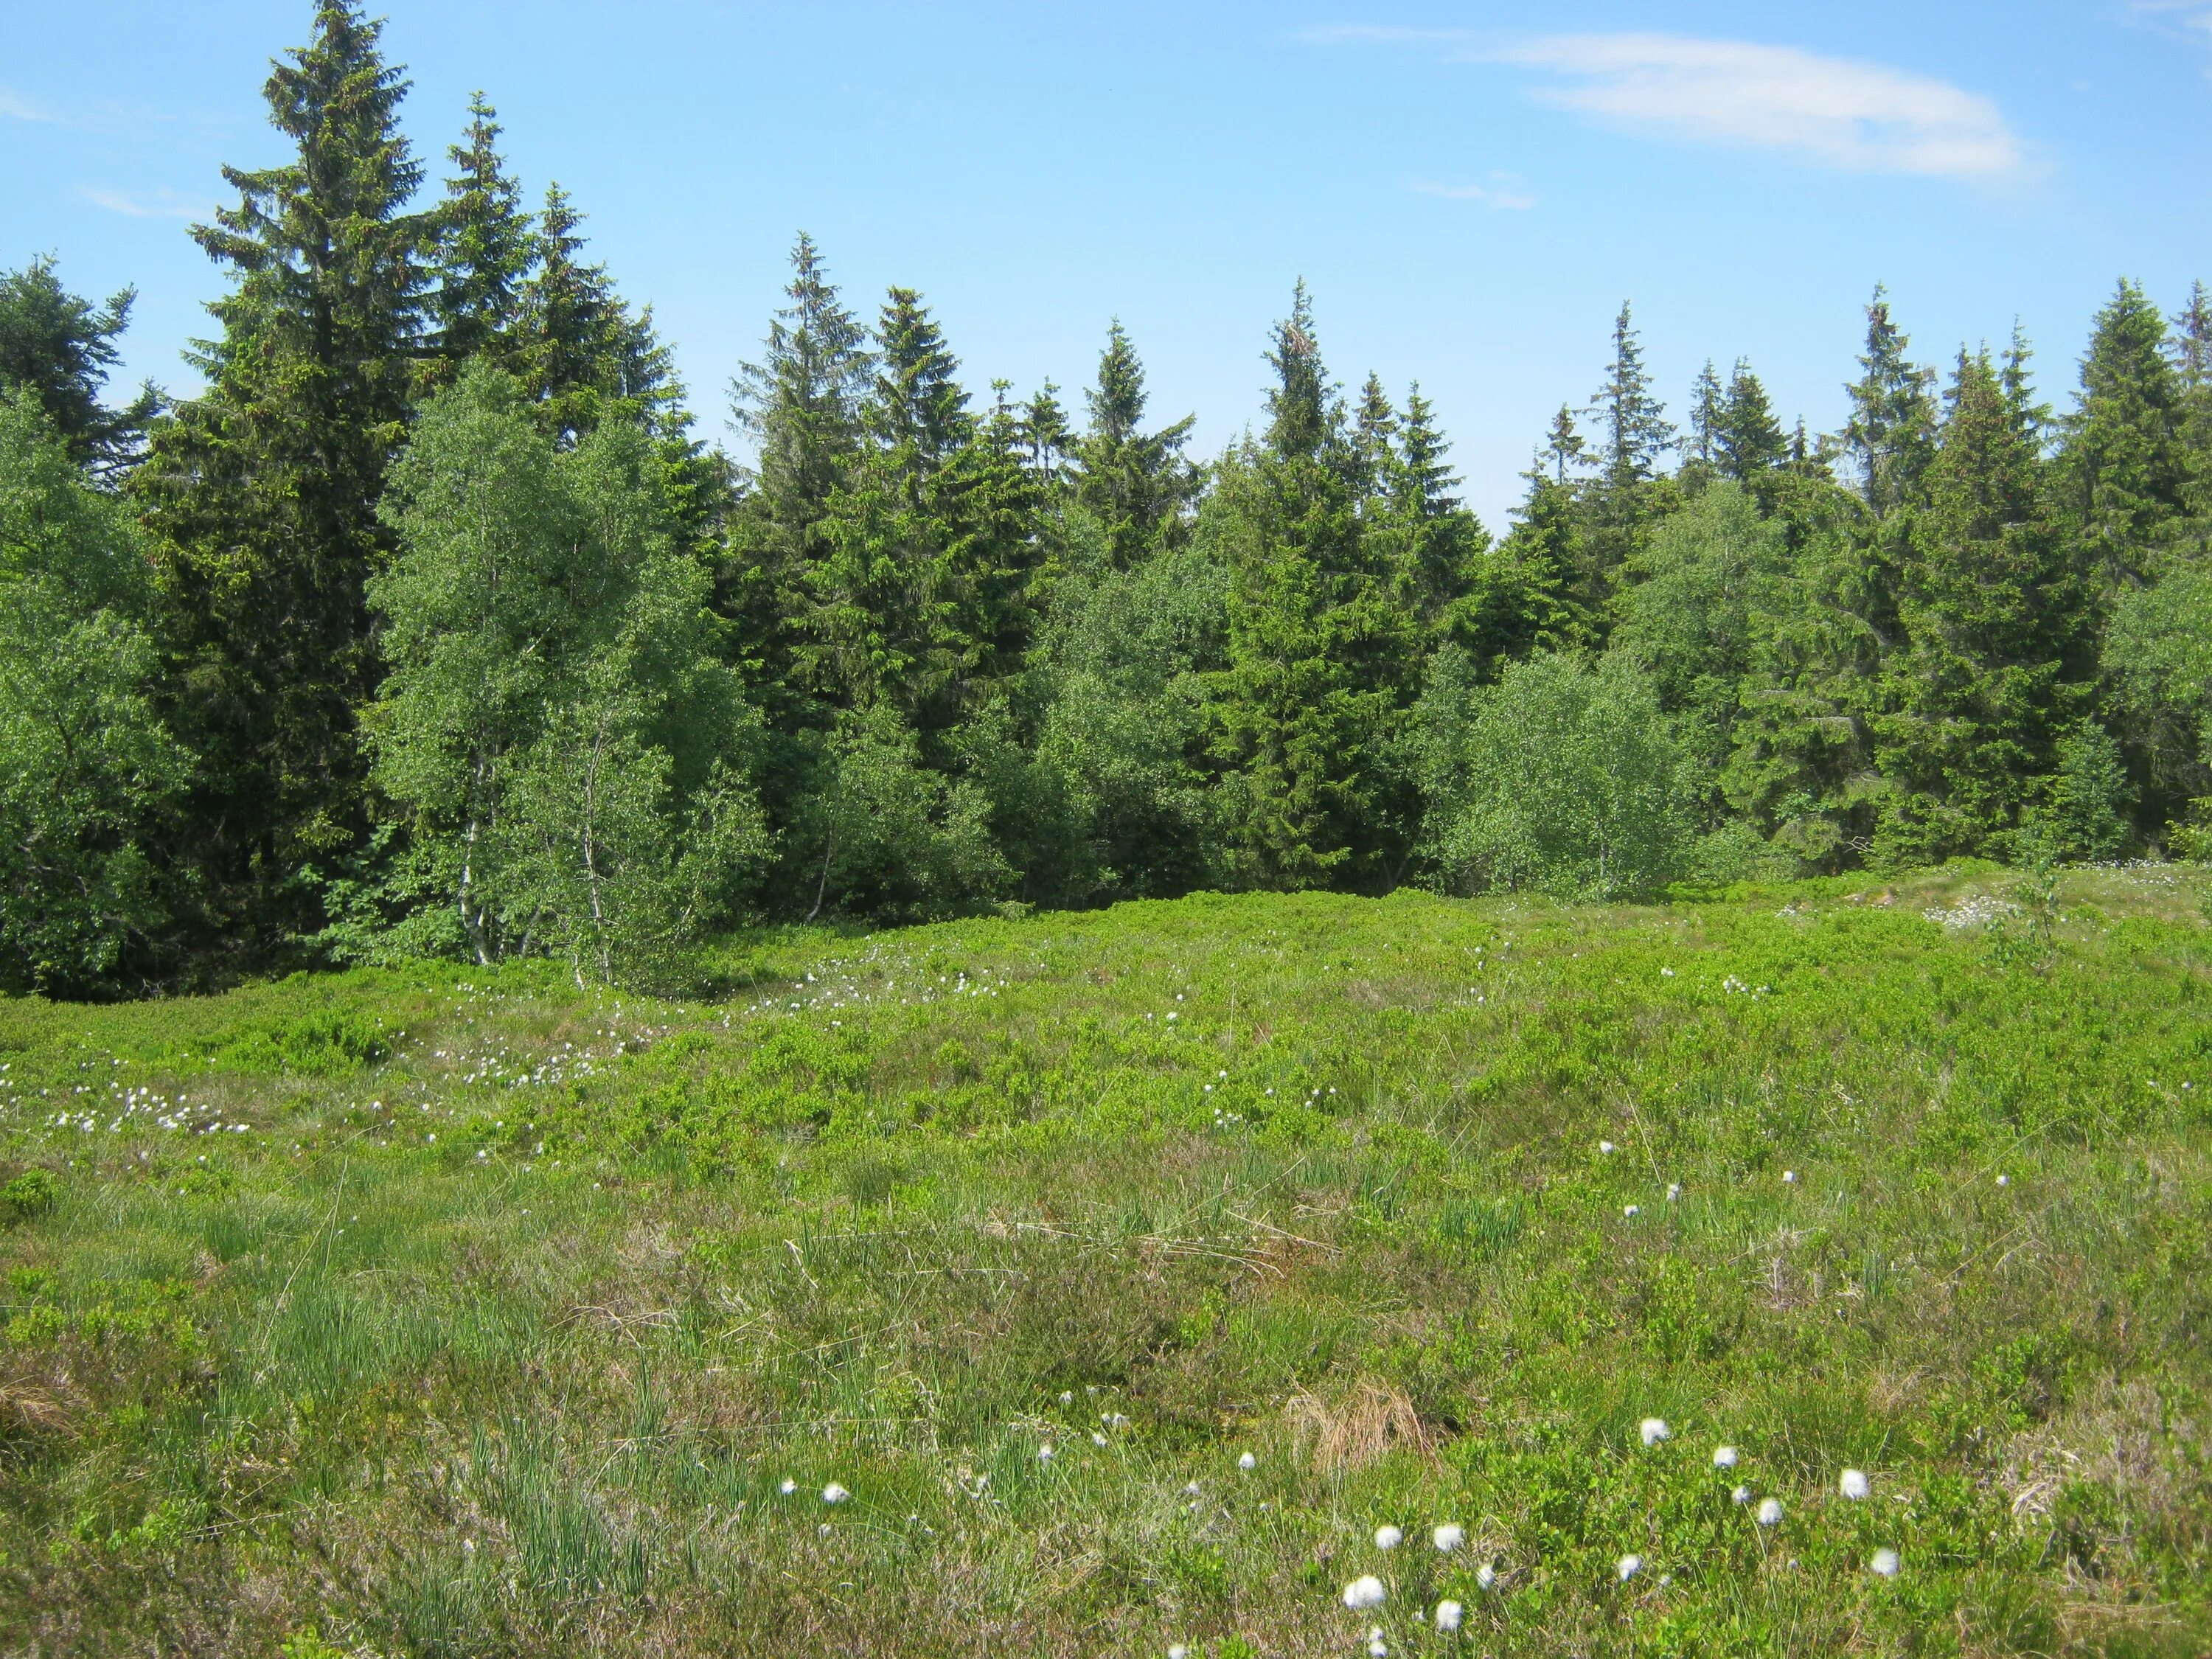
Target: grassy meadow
{"points": [[450, 1313]]}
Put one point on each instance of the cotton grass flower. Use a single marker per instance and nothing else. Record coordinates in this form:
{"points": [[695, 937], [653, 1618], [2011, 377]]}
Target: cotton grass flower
{"points": [[1790, 1177], [833, 1493], [1630, 1212], [1853, 1484], [1388, 1538], [1448, 1613], [1097, 1438], [1741, 1494], [1448, 1537], [1247, 1462], [1044, 1452], [1885, 1563], [1724, 1457], [2004, 1180], [1365, 1592], [1769, 1512], [789, 1487], [1628, 1566], [1654, 1429], [1178, 1651], [1605, 1147], [1377, 1647], [1486, 1576], [1674, 1191]]}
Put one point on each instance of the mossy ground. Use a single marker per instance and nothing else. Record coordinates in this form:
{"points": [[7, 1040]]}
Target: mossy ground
{"points": [[462, 1313]]}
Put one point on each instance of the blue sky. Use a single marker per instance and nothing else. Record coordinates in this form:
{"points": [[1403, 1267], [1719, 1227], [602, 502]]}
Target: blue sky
{"points": [[1469, 190]]}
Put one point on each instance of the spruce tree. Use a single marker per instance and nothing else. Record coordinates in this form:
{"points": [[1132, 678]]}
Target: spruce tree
{"points": [[918, 415], [1891, 435], [484, 249], [1322, 650], [61, 347], [1431, 543], [2124, 467], [1633, 433], [571, 324], [2192, 340], [1997, 658], [1748, 440], [1303, 415], [1707, 402], [1137, 484], [801, 402], [1374, 438], [262, 492]]}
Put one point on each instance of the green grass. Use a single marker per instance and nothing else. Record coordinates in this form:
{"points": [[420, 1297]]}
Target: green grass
{"points": [[498, 1327]]}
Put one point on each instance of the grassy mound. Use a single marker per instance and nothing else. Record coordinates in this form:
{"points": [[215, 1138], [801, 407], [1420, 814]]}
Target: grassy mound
{"points": [[448, 1313]]}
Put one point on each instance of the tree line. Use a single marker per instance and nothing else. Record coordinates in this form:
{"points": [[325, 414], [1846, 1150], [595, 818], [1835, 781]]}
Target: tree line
{"points": [[432, 627]]}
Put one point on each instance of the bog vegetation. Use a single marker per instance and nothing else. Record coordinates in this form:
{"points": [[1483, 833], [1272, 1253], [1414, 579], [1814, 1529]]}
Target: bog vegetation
{"points": [[432, 628], [1122, 1275], [977, 1035]]}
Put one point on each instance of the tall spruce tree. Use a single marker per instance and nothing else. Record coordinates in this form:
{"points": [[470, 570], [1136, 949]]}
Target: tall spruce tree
{"points": [[1624, 499], [61, 347], [262, 492], [1891, 435], [1748, 440], [1322, 651], [1708, 402], [484, 249], [1137, 484], [1997, 657], [2124, 467], [800, 403]]}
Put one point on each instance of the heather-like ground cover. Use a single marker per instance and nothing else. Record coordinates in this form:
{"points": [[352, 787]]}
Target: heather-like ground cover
{"points": [[441, 1312]]}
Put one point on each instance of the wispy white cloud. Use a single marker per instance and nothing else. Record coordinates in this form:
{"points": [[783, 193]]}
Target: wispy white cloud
{"points": [[166, 205], [1502, 193], [16, 107], [1836, 111]]}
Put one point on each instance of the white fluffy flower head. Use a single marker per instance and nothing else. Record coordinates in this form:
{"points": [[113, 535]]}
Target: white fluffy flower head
{"points": [[1724, 1457], [1448, 1613], [1628, 1566], [1853, 1484], [1388, 1538], [1365, 1592], [1448, 1537], [1769, 1512], [1654, 1429], [1885, 1563]]}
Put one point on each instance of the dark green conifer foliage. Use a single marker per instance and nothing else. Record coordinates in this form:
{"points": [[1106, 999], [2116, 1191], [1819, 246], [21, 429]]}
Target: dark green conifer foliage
{"points": [[61, 347], [883, 611], [2124, 467], [484, 249], [1137, 484], [1303, 415], [1045, 436], [1626, 498], [918, 414], [1748, 440], [262, 492], [1707, 402], [1432, 545], [1322, 651], [1891, 435], [1374, 438], [1997, 651], [801, 402], [2192, 341]]}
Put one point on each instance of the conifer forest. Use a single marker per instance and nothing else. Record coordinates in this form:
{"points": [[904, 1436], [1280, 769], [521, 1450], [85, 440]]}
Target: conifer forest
{"points": [[435, 625]]}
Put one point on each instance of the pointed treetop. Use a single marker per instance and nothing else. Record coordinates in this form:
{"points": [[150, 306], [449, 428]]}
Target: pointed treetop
{"points": [[1564, 446], [918, 408], [485, 242], [1890, 433], [1298, 404], [1633, 429]]}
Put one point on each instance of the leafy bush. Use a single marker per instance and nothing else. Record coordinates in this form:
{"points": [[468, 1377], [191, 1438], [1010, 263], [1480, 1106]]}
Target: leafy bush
{"points": [[1562, 778]]}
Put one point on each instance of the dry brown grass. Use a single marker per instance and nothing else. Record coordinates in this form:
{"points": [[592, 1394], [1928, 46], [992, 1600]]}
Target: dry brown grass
{"points": [[1367, 1421]]}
